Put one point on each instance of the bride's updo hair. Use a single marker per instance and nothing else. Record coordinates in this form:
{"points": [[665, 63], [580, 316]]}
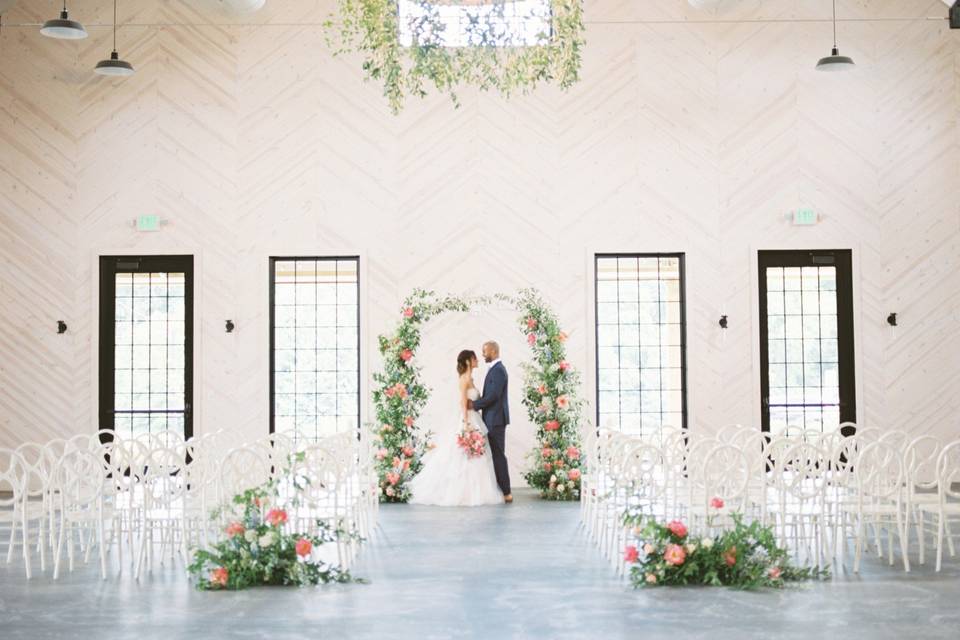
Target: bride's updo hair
{"points": [[464, 359]]}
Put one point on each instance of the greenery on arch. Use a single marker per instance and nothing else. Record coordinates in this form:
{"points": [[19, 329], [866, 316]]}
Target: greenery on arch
{"points": [[492, 62], [550, 394]]}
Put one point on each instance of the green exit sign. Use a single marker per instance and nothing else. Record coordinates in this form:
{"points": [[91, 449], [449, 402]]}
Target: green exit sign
{"points": [[148, 223], [805, 216]]}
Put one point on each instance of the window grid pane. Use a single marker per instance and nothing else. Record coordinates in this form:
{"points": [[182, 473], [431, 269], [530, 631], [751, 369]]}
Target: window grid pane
{"points": [[316, 330], [507, 23], [640, 342], [802, 348]]}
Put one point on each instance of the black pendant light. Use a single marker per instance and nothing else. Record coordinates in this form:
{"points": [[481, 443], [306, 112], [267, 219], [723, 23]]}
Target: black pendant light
{"points": [[114, 66], [63, 28], [835, 61]]}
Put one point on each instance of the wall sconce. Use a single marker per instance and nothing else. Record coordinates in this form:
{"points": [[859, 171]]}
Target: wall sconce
{"points": [[61, 327], [723, 322], [230, 326], [892, 319]]}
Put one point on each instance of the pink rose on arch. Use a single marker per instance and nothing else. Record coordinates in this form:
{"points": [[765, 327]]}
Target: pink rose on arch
{"points": [[531, 339], [531, 323], [562, 402], [563, 365], [387, 427], [392, 478], [396, 461], [390, 492], [547, 452], [381, 454], [304, 547], [408, 421], [774, 573], [406, 355], [675, 555], [562, 336], [406, 464], [234, 529], [276, 517], [408, 451], [573, 453], [730, 556], [542, 389], [390, 392], [219, 576], [677, 528], [408, 312], [630, 554], [548, 467], [574, 474], [716, 503], [551, 425], [401, 390]]}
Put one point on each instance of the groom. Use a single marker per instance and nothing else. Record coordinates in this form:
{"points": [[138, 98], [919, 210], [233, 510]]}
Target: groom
{"points": [[495, 410]]}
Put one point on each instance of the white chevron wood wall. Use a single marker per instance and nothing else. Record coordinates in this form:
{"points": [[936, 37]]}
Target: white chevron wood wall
{"points": [[688, 132]]}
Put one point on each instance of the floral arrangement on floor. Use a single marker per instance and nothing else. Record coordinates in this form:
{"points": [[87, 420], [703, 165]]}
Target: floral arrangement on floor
{"points": [[744, 557], [371, 28], [550, 389], [256, 551], [472, 442]]}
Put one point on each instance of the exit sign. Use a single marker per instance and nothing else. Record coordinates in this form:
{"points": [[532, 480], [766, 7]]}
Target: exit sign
{"points": [[805, 216], [148, 223]]}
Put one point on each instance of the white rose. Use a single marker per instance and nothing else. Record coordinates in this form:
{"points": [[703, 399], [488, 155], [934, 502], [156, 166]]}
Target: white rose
{"points": [[691, 548], [553, 478], [707, 543], [570, 484], [250, 535], [561, 488], [266, 539]]}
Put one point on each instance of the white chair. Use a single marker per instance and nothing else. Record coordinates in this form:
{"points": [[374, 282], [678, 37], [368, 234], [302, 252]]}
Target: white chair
{"points": [[78, 482], [12, 480], [946, 509], [37, 507], [920, 468], [163, 484]]}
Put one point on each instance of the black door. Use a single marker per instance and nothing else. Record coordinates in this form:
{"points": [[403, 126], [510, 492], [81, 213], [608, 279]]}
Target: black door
{"points": [[806, 340], [146, 344]]}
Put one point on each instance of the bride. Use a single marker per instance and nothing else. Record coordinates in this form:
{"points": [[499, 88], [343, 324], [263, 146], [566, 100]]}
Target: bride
{"points": [[449, 477]]}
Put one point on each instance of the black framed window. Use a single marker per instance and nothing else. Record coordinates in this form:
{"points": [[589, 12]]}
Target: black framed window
{"points": [[146, 344], [806, 339], [314, 346], [641, 342]]}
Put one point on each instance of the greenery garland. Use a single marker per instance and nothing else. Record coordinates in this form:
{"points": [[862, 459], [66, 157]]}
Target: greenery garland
{"points": [[371, 28], [549, 393]]}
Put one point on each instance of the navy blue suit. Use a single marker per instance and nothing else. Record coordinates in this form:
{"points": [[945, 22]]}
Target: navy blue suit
{"points": [[494, 407]]}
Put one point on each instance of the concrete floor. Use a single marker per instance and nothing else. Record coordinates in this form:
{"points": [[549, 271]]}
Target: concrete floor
{"points": [[519, 571]]}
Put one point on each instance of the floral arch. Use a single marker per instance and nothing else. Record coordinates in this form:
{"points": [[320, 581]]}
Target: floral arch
{"points": [[550, 394]]}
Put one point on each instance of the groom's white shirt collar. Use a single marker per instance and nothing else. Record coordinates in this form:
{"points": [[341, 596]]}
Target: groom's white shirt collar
{"points": [[493, 363]]}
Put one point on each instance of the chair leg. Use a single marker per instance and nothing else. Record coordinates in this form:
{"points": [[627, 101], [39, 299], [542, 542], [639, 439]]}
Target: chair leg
{"points": [[921, 537], [940, 519], [56, 560], [13, 540], [26, 548], [902, 532]]}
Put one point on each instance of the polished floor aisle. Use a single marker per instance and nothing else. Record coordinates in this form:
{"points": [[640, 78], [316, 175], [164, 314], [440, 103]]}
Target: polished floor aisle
{"points": [[518, 571]]}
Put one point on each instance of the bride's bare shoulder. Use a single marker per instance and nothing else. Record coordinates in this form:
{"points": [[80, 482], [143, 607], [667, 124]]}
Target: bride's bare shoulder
{"points": [[466, 380]]}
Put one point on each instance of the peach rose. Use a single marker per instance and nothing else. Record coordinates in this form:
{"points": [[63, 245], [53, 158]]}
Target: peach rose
{"points": [[562, 402], [381, 454], [276, 517], [542, 389], [551, 425], [648, 548], [651, 578], [408, 421], [304, 547], [219, 576], [574, 474], [406, 355], [392, 478], [408, 312], [573, 453], [548, 467], [408, 451], [234, 529], [730, 556], [562, 336]]}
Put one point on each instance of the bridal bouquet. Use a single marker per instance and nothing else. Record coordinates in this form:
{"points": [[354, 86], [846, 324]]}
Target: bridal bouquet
{"points": [[471, 441]]}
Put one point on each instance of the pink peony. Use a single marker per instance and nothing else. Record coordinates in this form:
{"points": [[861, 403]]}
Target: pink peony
{"points": [[562, 336], [573, 453], [774, 573], [531, 323], [547, 452], [408, 421], [393, 478], [531, 339], [677, 528], [564, 365], [716, 503], [235, 529], [674, 554], [408, 451], [276, 517], [548, 467], [304, 547], [630, 554], [730, 556], [551, 425], [406, 355], [574, 474], [219, 576], [381, 454], [408, 312], [562, 402], [542, 389]]}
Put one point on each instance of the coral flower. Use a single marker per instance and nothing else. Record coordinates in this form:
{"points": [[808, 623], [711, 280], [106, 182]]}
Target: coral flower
{"points": [[548, 467], [390, 392], [408, 312], [406, 464], [406, 355], [562, 336], [393, 478], [408, 451], [674, 554], [531, 323], [219, 576], [531, 339], [547, 452], [304, 547], [677, 528], [562, 402], [558, 463], [563, 365], [730, 556], [408, 421], [651, 578], [574, 474], [542, 389], [551, 425], [401, 390], [234, 529], [716, 503], [573, 453], [774, 573], [630, 554], [276, 517]]}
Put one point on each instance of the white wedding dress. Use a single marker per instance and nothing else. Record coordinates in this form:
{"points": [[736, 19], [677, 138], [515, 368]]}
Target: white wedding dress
{"points": [[451, 479]]}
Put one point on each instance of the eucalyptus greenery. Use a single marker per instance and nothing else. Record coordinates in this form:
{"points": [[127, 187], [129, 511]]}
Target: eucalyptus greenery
{"points": [[411, 54]]}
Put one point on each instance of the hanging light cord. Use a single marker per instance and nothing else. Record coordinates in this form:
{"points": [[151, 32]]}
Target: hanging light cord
{"points": [[834, 23], [115, 23]]}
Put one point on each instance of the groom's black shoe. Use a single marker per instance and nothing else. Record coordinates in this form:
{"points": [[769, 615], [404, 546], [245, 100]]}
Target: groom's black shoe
{"points": [[508, 498]]}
